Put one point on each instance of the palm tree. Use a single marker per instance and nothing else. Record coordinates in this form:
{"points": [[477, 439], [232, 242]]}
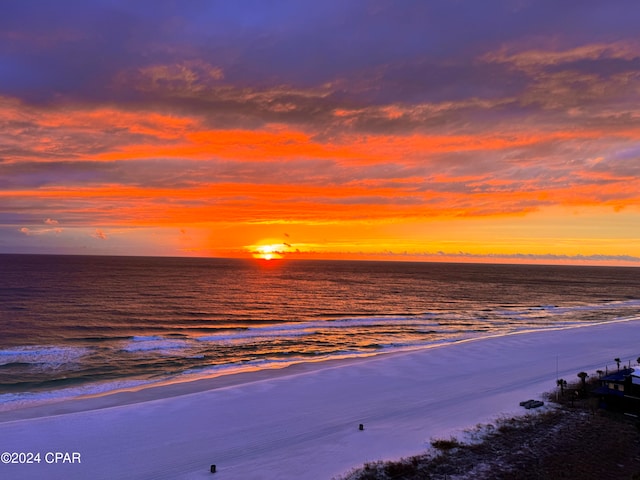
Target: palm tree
{"points": [[617, 360], [561, 383], [600, 373], [583, 377], [638, 360]]}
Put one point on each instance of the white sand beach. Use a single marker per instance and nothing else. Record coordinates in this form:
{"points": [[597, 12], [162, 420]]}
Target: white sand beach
{"points": [[302, 422]]}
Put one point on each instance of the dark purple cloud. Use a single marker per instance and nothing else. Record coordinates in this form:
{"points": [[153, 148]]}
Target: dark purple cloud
{"points": [[409, 51]]}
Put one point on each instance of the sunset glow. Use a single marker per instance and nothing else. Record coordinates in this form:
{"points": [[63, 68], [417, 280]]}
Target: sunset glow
{"points": [[268, 252], [336, 130]]}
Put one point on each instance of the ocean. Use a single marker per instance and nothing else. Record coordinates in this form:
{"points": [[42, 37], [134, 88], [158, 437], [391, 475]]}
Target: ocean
{"points": [[83, 325]]}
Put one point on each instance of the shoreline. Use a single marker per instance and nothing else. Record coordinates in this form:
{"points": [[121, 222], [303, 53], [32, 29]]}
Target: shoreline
{"points": [[304, 418], [176, 387], [171, 389]]}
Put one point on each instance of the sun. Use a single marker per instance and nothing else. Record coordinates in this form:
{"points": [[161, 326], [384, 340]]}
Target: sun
{"points": [[268, 252]]}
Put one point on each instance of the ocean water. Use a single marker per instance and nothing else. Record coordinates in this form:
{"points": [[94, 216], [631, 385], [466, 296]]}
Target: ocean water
{"points": [[77, 325]]}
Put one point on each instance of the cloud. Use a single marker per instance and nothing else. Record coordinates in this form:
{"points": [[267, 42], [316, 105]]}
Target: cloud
{"points": [[99, 234], [533, 60], [577, 77], [40, 231], [186, 78], [126, 114], [551, 257]]}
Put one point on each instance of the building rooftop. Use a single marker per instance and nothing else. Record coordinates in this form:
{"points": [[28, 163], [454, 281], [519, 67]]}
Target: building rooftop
{"points": [[618, 376]]}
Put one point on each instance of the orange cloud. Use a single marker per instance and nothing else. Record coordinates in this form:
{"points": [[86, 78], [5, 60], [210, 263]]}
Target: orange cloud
{"points": [[99, 234], [163, 167]]}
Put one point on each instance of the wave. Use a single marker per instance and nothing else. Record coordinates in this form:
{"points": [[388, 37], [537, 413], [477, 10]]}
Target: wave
{"points": [[11, 401], [299, 329], [155, 343], [42, 355], [555, 310]]}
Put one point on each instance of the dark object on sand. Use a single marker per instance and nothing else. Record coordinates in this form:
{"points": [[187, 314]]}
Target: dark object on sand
{"points": [[213, 469], [361, 427], [528, 404]]}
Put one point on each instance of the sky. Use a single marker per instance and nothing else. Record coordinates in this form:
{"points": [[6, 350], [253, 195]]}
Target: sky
{"points": [[453, 130]]}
